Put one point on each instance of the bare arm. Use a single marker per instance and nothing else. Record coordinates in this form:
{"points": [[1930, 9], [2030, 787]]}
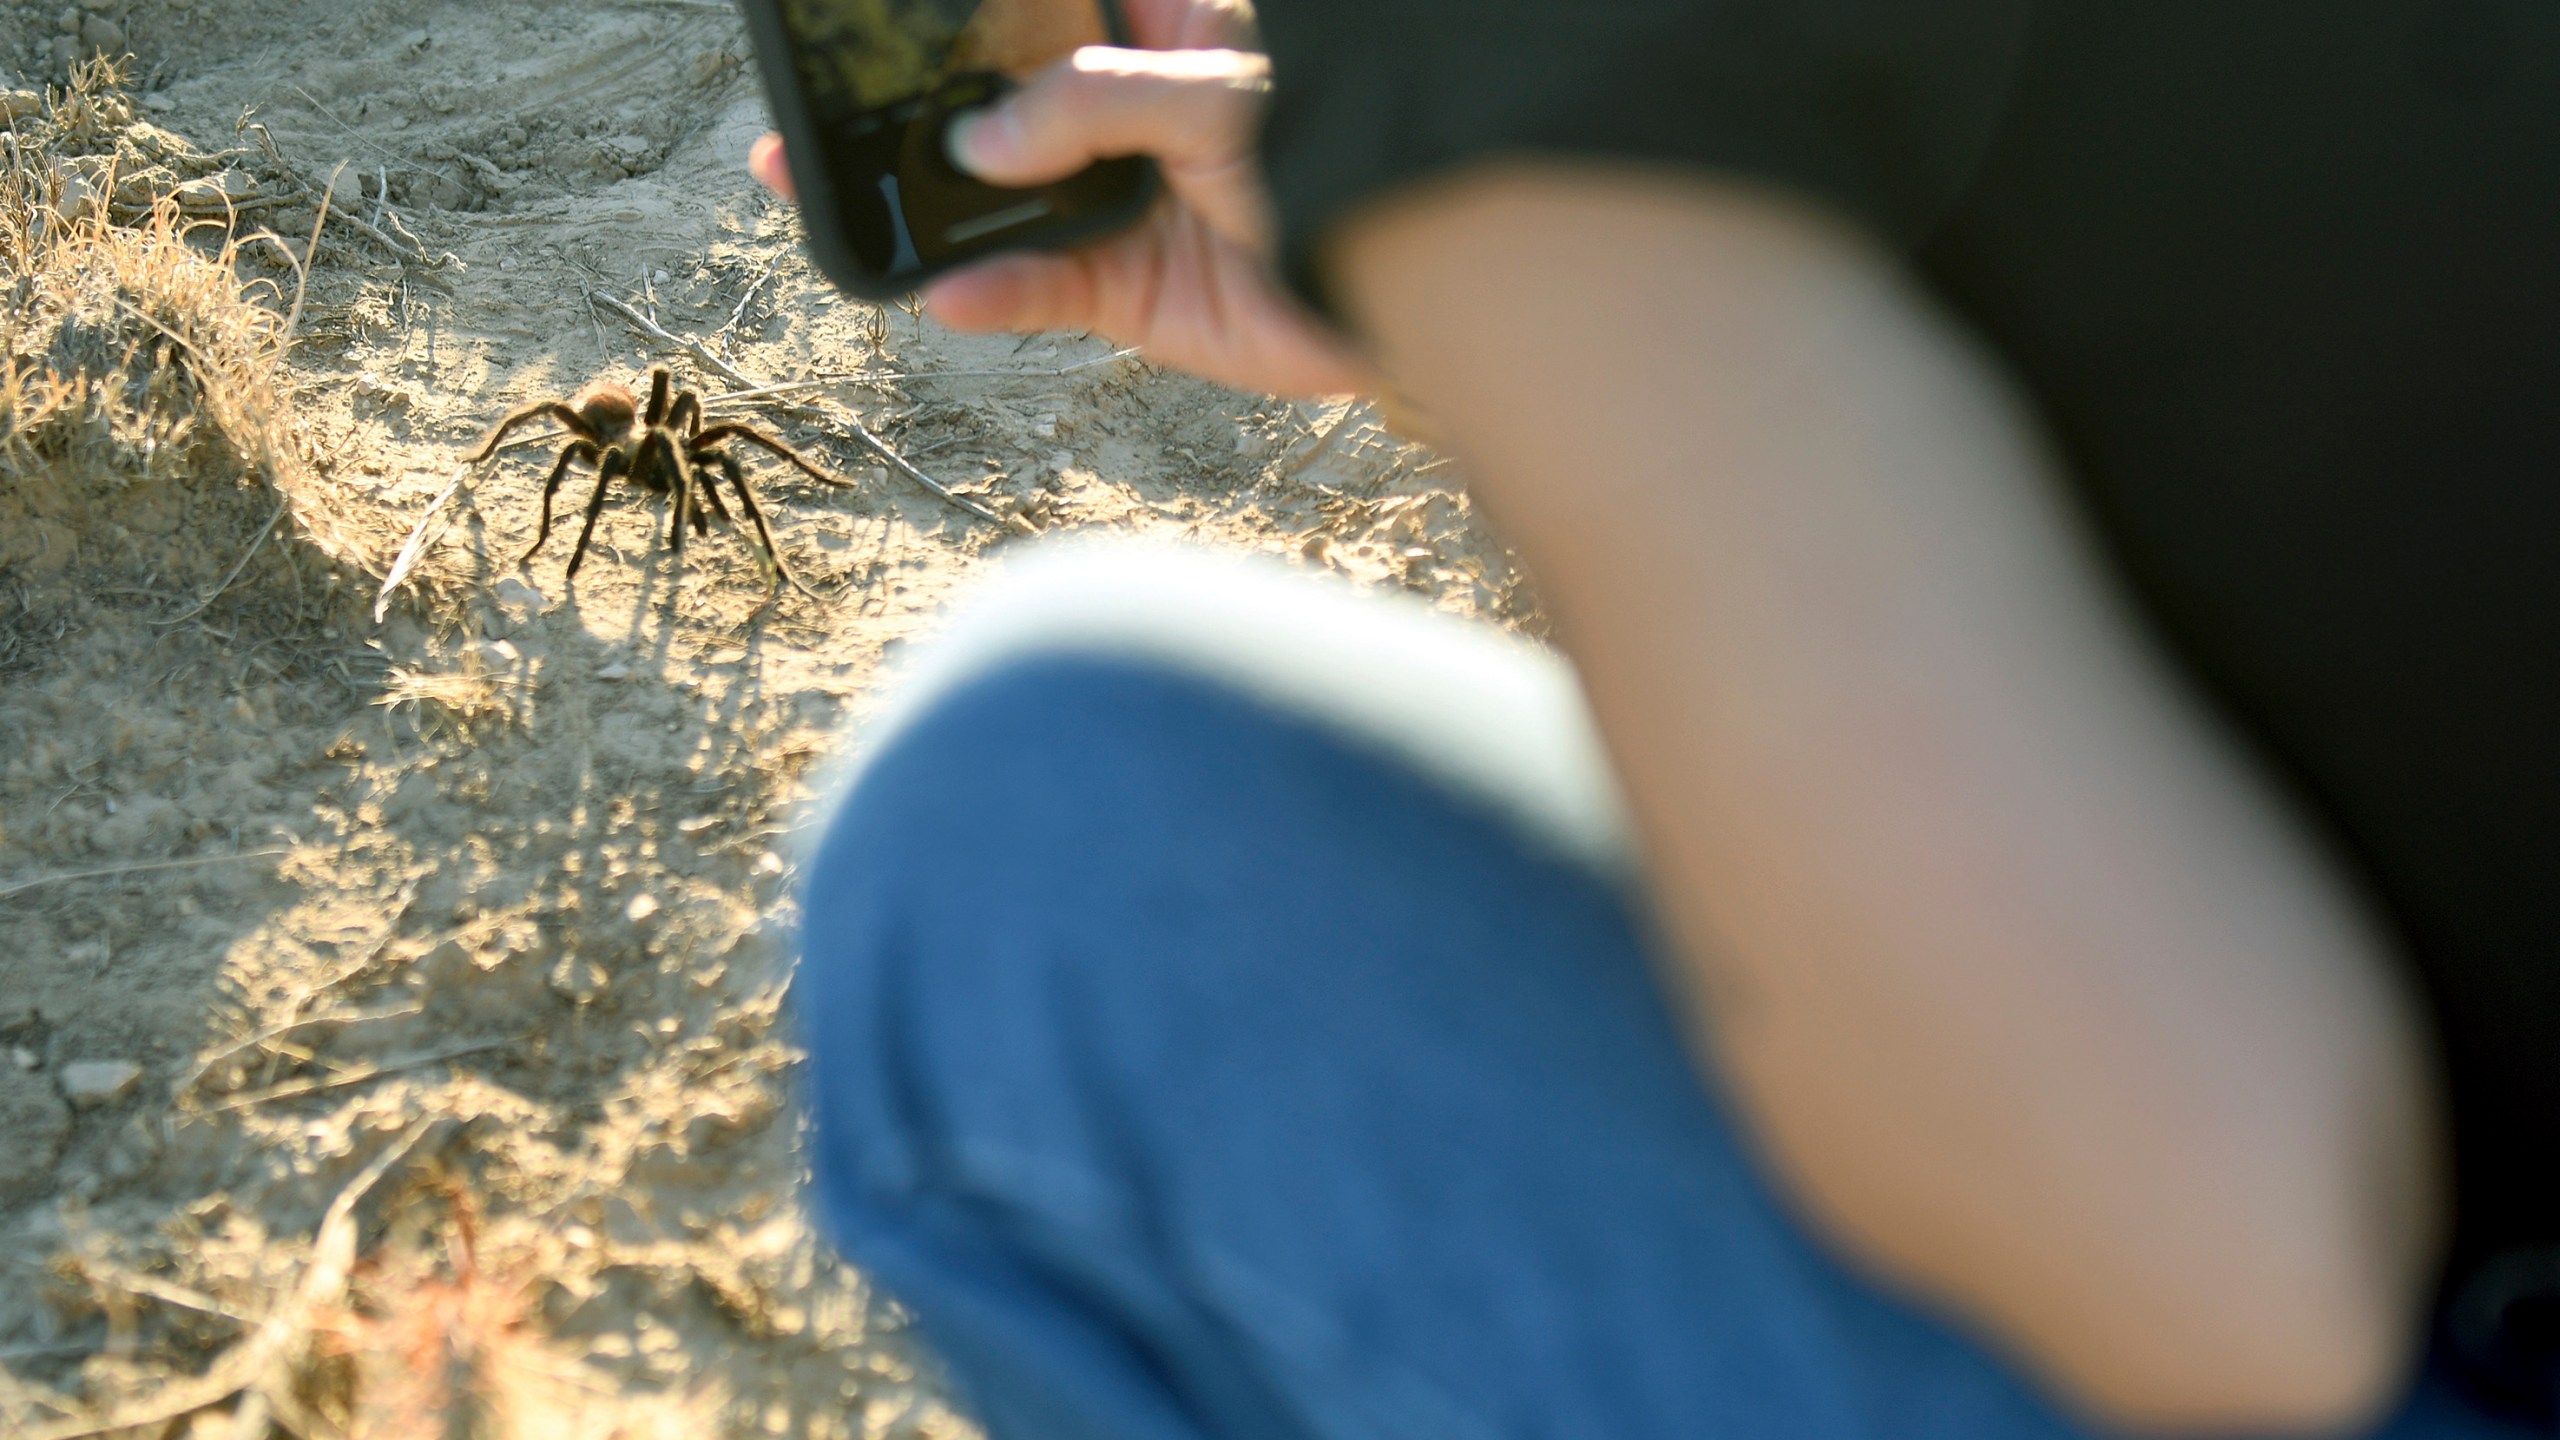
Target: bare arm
{"points": [[2035, 996], [2034, 993]]}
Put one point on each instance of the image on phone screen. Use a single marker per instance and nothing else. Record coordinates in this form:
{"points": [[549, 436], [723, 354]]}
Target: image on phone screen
{"points": [[883, 78]]}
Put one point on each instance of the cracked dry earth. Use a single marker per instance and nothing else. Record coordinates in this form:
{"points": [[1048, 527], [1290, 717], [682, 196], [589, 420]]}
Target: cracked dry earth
{"points": [[391, 1011]]}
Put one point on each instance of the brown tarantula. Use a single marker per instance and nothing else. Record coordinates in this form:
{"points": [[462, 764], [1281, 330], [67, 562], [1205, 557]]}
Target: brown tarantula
{"points": [[663, 450]]}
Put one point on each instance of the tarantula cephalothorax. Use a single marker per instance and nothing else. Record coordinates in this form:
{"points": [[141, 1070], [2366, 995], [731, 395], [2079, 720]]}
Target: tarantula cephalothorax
{"points": [[663, 449]]}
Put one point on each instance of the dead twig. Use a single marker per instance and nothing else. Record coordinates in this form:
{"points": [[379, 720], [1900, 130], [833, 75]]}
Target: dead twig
{"points": [[602, 348], [421, 539], [886, 377], [152, 1287], [113, 871], [247, 555], [59, 1350], [259, 1362], [861, 432], [204, 1066], [358, 136], [296, 1089], [311, 255], [397, 239], [663, 336], [748, 297]]}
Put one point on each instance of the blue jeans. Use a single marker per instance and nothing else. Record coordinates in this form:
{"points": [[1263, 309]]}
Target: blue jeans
{"points": [[1196, 1064]]}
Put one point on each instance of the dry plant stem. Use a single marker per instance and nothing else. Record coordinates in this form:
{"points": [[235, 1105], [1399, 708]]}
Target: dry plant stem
{"points": [[396, 239], [246, 556], [310, 257], [113, 871], [203, 1067], [151, 1287], [260, 1362], [253, 1420], [61, 1349], [885, 377], [748, 297], [416, 546], [393, 1066], [358, 136], [403, 244], [861, 432]]}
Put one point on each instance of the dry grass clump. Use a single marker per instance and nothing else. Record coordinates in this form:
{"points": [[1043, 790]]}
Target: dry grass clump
{"points": [[145, 430], [491, 686], [440, 1342]]}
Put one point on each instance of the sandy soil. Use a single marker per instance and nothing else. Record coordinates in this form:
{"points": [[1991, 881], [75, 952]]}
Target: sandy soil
{"points": [[391, 1033]]}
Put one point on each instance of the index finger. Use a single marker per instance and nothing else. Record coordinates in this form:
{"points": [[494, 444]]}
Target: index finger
{"points": [[766, 162]]}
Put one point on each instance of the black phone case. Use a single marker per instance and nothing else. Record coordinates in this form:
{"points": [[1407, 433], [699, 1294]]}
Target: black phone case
{"points": [[821, 208]]}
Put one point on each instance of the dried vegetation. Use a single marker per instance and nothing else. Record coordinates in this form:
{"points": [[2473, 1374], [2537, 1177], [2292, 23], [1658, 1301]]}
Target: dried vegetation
{"points": [[325, 1225], [391, 1034], [145, 431]]}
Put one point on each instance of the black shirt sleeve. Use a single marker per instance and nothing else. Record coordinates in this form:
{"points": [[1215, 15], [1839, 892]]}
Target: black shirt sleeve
{"points": [[1876, 108]]}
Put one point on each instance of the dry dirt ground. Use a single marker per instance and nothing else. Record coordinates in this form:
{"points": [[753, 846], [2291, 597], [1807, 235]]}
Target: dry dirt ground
{"points": [[392, 1013]]}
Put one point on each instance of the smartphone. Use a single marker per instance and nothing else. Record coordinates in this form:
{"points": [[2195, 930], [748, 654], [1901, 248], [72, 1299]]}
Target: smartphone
{"points": [[863, 90]]}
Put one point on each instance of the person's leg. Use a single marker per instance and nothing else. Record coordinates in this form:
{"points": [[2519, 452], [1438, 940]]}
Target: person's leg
{"points": [[1194, 1065]]}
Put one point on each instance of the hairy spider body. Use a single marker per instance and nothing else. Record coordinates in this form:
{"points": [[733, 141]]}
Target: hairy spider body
{"points": [[663, 449]]}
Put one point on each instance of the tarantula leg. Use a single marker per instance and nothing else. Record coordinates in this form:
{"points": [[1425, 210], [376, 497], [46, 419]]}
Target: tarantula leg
{"points": [[747, 501], [575, 450], [708, 494], [657, 465], [659, 383], [754, 436], [616, 463], [557, 410], [685, 506], [685, 415]]}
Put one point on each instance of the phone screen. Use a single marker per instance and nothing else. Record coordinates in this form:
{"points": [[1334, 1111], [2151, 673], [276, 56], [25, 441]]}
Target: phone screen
{"points": [[882, 79]]}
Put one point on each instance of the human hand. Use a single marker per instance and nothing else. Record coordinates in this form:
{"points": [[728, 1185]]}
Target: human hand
{"points": [[1192, 284]]}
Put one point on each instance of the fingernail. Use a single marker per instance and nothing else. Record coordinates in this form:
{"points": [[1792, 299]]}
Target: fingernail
{"points": [[977, 139]]}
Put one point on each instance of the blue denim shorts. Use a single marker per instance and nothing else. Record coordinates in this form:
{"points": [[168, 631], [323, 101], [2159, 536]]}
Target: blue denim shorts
{"points": [[1197, 1059]]}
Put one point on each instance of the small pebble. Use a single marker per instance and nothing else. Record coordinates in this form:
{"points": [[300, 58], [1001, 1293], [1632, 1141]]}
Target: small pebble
{"points": [[640, 908], [516, 592], [22, 1057], [615, 671], [660, 278], [78, 196], [90, 1083]]}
